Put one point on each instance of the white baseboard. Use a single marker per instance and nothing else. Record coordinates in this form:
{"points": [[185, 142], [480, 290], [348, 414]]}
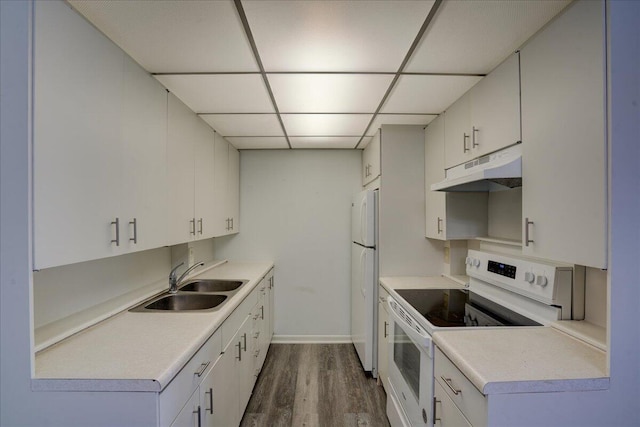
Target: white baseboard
{"points": [[311, 339]]}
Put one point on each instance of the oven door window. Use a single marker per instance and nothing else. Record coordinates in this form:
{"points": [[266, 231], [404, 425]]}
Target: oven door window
{"points": [[406, 356]]}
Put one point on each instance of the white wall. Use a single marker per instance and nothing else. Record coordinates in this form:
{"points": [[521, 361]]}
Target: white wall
{"points": [[295, 210]]}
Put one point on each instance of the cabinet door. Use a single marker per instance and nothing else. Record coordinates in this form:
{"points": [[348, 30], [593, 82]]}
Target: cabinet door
{"points": [[220, 186], [447, 413], [272, 291], [190, 415], [433, 173], [495, 109], [233, 189], [205, 202], [371, 167], [219, 392], [244, 365], [564, 167], [458, 132], [182, 127], [77, 167], [383, 339], [144, 134]]}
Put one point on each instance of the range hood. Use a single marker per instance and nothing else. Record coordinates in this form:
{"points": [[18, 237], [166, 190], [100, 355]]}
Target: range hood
{"points": [[501, 170]]}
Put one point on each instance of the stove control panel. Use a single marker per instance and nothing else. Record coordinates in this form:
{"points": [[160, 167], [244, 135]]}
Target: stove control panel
{"points": [[541, 280]]}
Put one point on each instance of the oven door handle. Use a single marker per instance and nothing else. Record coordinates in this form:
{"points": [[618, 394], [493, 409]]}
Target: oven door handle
{"points": [[418, 335]]}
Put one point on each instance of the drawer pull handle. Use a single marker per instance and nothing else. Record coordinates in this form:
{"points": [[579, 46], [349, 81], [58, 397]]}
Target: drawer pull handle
{"points": [[210, 393], [239, 351], [198, 411], [203, 368], [447, 381]]}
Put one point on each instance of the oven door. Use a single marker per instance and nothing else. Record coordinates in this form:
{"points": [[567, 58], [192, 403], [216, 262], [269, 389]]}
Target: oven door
{"points": [[410, 374]]}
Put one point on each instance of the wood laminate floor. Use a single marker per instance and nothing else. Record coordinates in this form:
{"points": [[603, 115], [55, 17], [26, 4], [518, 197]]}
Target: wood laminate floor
{"points": [[315, 385]]}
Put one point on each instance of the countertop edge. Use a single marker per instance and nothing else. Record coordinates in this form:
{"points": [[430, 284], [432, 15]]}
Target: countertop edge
{"points": [[545, 386], [95, 384]]}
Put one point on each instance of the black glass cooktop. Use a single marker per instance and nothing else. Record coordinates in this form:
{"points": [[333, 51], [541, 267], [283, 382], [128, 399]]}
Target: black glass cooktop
{"points": [[461, 308]]}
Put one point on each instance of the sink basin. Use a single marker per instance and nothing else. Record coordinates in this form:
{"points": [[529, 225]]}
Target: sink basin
{"points": [[212, 285], [183, 302]]}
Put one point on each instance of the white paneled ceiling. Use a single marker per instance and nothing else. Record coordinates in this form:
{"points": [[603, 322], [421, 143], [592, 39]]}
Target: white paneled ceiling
{"points": [[317, 74]]}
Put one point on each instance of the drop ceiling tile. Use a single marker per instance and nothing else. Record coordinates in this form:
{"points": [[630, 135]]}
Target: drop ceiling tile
{"points": [[334, 35], [326, 124], [244, 124], [220, 93], [174, 36], [426, 94], [399, 119], [324, 141], [258, 142], [329, 93], [475, 36]]}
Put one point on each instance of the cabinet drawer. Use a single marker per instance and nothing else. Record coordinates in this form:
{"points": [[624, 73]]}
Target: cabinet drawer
{"points": [[447, 413], [234, 321], [173, 397], [467, 398]]}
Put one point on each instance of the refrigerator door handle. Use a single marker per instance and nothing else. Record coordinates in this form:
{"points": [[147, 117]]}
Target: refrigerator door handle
{"points": [[363, 220], [363, 290]]}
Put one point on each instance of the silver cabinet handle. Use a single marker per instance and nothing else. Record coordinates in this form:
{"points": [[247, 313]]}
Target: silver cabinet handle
{"points": [[447, 381], [244, 337], [474, 144], [210, 393], [134, 239], [527, 240], [200, 226], [228, 224], [257, 335], [197, 411], [117, 224], [203, 368], [232, 223], [464, 142], [239, 351], [385, 329], [439, 227], [192, 221], [435, 417]]}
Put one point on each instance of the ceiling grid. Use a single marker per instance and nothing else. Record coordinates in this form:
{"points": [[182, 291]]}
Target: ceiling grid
{"points": [[273, 74]]}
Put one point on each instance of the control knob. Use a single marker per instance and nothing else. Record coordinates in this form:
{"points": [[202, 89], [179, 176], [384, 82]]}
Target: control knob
{"points": [[476, 262], [468, 261], [541, 281], [529, 277]]}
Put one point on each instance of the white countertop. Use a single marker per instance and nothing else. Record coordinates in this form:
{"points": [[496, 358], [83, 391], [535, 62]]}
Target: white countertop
{"points": [[423, 282], [139, 351], [524, 360]]}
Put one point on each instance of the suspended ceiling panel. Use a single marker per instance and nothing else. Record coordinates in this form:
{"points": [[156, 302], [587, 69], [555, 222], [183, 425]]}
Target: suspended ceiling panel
{"points": [[220, 93], [399, 119], [475, 36], [326, 124], [244, 124], [174, 36], [329, 93], [324, 141], [334, 35], [427, 94], [258, 142]]}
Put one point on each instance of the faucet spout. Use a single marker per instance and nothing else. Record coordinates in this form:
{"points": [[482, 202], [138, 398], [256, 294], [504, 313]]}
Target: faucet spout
{"points": [[173, 282]]}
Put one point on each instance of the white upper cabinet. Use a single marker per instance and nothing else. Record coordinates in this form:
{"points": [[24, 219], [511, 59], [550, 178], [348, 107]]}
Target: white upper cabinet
{"points": [[495, 109], [449, 216], [487, 117], [144, 194], [371, 160], [204, 180], [78, 164], [226, 188], [182, 137], [564, 167]]}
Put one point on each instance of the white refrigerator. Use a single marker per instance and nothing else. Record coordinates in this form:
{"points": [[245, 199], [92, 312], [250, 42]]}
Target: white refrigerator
{"points": [[364, 277]]}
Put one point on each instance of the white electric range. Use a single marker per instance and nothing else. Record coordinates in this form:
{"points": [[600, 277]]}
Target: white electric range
{"points": [[503, 291]]}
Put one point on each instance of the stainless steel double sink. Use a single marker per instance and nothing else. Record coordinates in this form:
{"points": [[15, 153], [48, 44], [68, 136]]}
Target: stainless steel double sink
{"points": [[196, 295]]}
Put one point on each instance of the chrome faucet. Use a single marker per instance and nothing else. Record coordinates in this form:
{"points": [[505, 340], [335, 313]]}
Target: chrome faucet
{"points": [[173, 282]]}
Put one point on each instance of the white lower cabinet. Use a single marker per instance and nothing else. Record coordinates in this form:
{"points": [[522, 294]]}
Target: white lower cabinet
{"points": [[457, 401], [383, 338], [214, 387]]}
